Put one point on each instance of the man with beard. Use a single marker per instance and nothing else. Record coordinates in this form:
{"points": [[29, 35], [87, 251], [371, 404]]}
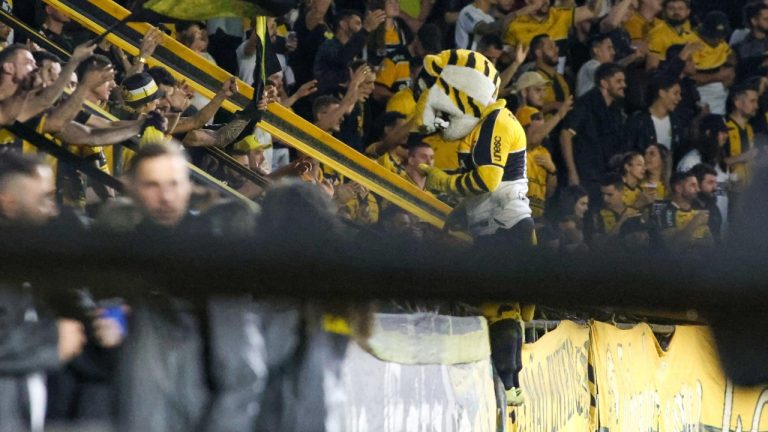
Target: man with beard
{"points": [[545, 54], [675, 30], [659, 124], [741, 137], [707, 199], [741, 147], [678, 224], [18, 98], [53, 28], [594, 131], [553, 21], [751, 50], [531, 89]]}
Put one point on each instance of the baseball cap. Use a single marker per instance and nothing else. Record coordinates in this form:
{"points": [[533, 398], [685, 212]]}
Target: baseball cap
{"points": [[250, 143], [530, 79], [715, 25]]}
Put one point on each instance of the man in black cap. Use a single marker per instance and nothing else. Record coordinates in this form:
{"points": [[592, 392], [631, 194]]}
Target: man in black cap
{"points": [[715, 62], [140, 93], [140, 98]]}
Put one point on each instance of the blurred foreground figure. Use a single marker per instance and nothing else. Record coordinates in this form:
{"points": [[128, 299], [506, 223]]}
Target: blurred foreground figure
{"points": [[30, 342], [161, 381]]}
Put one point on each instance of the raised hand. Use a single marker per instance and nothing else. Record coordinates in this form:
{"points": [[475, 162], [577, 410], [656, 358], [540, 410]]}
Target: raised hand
{"points": [[374, 19], [83, 51], [150, 42], [306, 89]]}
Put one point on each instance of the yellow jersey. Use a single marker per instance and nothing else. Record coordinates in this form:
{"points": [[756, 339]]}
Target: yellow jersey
{"points": [[537, 181], [739, 141], [362, 210], [402, 102], [6, 137], [557, 24], [663, 36], [638, 27], [446, 152], [394, 75], [392, 162], [492, 153], [671, 217], [557, 90], [712, 57], [395, 69], [606, 221], [630, 195]]}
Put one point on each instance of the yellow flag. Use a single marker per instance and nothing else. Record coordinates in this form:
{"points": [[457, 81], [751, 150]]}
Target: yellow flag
{"points": [[197, 10]]}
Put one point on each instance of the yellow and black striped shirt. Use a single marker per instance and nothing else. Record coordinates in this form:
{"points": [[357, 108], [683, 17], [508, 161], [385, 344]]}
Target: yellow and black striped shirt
{"points": [[493, 152], [740, 140], [537, 182]]}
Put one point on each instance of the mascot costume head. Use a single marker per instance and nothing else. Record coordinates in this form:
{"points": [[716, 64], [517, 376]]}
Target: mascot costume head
{"points": [[462, 87]]}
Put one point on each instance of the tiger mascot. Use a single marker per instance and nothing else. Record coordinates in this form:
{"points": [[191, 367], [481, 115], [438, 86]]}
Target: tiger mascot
{"points": [[461, 103]]}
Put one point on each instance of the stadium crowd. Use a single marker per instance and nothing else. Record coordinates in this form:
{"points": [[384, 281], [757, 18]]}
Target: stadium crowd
{"points": [[644, 120]]}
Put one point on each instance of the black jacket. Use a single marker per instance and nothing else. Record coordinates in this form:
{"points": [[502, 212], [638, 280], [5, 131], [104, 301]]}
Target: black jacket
{"points": [[331, 67], [599, 134], [641, 132], [28, 344]]}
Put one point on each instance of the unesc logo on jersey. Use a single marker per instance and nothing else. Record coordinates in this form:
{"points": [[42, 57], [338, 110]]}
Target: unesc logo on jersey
{"points": [[497, 149]]}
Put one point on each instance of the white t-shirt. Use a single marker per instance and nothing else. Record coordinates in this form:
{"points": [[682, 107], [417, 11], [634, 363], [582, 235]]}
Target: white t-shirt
{"points": [[738, 36], [465, 26], [585, 80], [246, 64], [663, 129], [693, 158]]}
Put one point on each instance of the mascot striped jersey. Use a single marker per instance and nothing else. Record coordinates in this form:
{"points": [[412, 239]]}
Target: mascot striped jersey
{"points": [[461, 103]]}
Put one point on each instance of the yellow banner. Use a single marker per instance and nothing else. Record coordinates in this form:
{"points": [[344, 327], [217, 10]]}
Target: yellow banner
{"points": [[642, 388], [197, 10], [554, 381], [696, 393], [625, 364]]}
